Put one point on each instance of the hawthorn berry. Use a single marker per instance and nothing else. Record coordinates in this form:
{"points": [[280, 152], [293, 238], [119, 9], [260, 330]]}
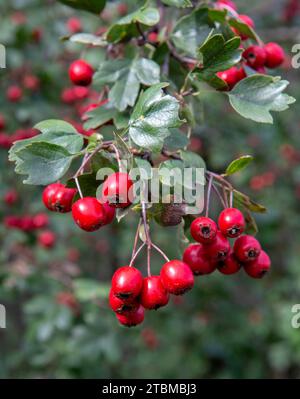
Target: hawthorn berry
{"points": [[177, 277], [47, 239], [40, 221], [255, 56], [153, 294], [230, 265], [231, 222], [81, 73], [195, 256], [74, 25], [118, 190], [219, 248], [88, 213], [232, 76], [259, 267], [14, 94], [132, 318], [204, 230], [110, 211], [58, 198], [31, 82], [127, 283], [246, 248], [11, 197], [275, 55], [227, 4], [120, 306]]}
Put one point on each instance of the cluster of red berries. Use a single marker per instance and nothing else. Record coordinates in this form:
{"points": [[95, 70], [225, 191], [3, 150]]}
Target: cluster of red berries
{"points": [[131, 294], [27, 223], [257, 57], [7, 140], [213, 250], [89, 213]]}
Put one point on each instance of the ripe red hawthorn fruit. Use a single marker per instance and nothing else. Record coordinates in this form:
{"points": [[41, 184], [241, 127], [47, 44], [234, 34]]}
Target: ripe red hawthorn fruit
{"points": [[122, 9], [259, 267], [47, 239], [89, 214], [131, 319], [246, 20], [74, 25], [120, 306], [246, 248], [31, 82], [118, 190], [91, 107], [219, 248], [255, 56], [127, 283], [195, 256], [58, 198], [275, 55], [153, 294], [40, 220], [11, 197], [14, 94], [230, 265], [152, 37], [110, 211], [81, 73], [177, 277], [227, 5], [204, 230], [232, 76], [231, 222], [2, 122]]}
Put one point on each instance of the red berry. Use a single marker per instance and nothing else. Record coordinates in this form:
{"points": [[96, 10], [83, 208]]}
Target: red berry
{"points": [[230, 265], [74, 25], [195, 256], [177, 277], [204, 230], [31, 82], [58, 198], [110, 211], [40, 221], [153, 294], [118, 190], [11, 197], [246, 248], [231, 222], [219, 248], [275, 55], [255, 56], [122, 9], [127, 282], [153, 37], [81, 73], [47, 239], [89, 214], [259, 267], [232, 76], [120, 306], [131, 319], [14, 94]]}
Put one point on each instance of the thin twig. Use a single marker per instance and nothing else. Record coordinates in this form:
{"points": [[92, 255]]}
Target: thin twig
{"points": [[210, 182], [78, 187], [161, 252], [136, 238], [136, 254]]}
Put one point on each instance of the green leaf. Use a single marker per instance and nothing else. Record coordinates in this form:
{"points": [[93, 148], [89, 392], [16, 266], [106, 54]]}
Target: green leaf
{"points": [[54, 132], [243, 28], [238, 164], [88, 38], [219, 55], [192, 30], [126, 26], [178, 3], [176, 140], [124, 152], [257, 95], [99, 116], [44, 163], [87, 183], [87, 289], [127, 76], [93, 6], [194, 161], [154, 114]]}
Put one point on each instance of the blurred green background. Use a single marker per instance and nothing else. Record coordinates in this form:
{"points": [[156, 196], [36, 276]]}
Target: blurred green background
{"points": [[58, 321]]}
